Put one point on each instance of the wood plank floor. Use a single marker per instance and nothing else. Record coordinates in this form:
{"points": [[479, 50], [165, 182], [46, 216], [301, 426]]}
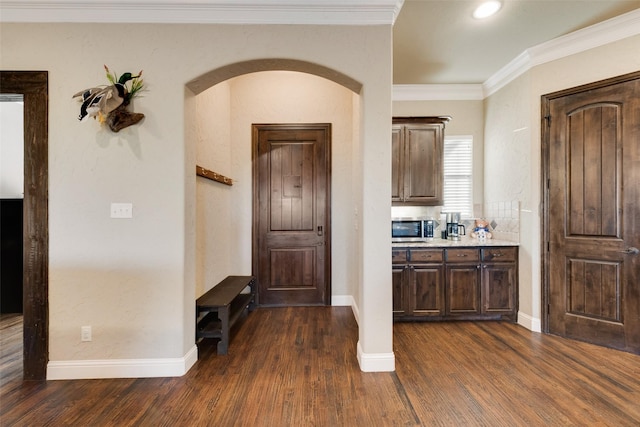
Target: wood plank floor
{"points": [[10, 348], [297, 367]]}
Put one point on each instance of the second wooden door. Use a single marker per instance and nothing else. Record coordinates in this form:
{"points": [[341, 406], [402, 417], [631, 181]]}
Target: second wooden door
{"points": [[291, 214], [593, 214]]}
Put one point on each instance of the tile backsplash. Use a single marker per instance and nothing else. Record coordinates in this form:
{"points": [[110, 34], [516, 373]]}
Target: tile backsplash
{"points": [[504, 219]]}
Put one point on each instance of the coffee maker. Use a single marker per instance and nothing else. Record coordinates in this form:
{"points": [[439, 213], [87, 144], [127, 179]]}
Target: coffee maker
{"points": [[454, 228]]}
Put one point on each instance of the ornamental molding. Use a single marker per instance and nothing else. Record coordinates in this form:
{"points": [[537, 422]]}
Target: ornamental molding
{"points": [[305, 12]]}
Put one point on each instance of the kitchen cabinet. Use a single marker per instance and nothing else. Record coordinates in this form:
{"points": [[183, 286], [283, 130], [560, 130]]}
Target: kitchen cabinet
{"points": [[399, 268], [462, 283], [417, 145], [499, 281], [418, 283]]}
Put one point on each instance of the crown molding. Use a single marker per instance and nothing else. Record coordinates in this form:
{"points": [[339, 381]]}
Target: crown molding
{"points": [[441, 92], [605, 32], [307, 12]]}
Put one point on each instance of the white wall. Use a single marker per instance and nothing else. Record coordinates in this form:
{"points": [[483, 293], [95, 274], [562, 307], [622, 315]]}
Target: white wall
{"points": [[513, 147], [11, 150], [224, 145], [217, 226], [134, 280]]}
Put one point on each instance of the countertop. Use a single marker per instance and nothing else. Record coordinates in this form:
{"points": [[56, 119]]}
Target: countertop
{"points": [[462, 243]]}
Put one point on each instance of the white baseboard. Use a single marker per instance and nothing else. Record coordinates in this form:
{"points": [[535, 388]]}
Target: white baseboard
{"points": [[341, 300], [532, 323], [121, 368], [376, 362], [346, 300]]}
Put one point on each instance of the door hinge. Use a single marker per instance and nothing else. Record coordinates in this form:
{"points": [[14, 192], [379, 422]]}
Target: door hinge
{"points": [[548, 119], [548, 183], [548, 246]]}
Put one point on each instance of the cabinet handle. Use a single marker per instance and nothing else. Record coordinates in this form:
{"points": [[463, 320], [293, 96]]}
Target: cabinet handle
{"points": [[497, 255], [461, 255]]}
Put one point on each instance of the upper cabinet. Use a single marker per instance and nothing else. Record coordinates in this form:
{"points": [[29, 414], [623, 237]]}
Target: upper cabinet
{"points": [[417, 157]]}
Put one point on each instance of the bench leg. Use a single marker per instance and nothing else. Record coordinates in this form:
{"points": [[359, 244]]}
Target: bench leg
{"points": [[223, 344], [252, 303]]}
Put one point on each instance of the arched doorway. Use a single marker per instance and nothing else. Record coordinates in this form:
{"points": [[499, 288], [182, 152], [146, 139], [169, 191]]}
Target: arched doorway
{"points": [[267, 94]]}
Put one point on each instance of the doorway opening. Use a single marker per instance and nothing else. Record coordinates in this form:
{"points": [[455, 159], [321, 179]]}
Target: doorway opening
{"points": [[33, 86], [223, 112]]}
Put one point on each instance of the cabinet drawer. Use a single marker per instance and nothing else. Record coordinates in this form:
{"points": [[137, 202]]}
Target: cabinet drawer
{"points": [[399, 256], [499, 254], [463, 255], [425, 255]]}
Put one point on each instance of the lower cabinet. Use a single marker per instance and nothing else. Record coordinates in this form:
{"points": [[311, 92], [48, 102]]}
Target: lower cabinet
{"points": [[463, 281], [455, 283], [500, 282], [418, 284]]}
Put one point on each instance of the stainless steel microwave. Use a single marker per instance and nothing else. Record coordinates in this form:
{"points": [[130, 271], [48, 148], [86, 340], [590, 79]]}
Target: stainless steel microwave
{"points": [[412, 229], [407, 230]]}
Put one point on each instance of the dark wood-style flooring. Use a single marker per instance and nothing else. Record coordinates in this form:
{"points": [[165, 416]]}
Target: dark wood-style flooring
{"points": [[297, 367]]}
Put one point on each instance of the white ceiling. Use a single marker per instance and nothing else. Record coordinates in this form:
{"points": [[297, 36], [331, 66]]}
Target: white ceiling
{"points": [[438, 41]]}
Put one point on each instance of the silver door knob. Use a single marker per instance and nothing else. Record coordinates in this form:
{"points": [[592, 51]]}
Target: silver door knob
{"points": [[631, 251]]}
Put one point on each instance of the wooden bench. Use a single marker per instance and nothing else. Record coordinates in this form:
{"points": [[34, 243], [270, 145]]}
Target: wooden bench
{"points": [[221, 306]]}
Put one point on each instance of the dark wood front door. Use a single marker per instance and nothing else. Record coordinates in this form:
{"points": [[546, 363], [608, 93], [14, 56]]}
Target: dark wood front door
{"points": [[593, 213], [291, 247]]}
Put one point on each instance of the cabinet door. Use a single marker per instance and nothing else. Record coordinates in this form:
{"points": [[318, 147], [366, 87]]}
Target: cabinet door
{"points": [[423, 157], [498, 288], [397, 163], [427, 291], [398, 274], [463, 289]]}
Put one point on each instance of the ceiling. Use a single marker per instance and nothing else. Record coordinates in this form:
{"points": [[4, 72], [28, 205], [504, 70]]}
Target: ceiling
{"points": [[435, 42], [438, 41]]}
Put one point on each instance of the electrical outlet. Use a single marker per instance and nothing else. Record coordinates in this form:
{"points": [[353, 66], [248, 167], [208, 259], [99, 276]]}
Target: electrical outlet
{"points": [[121, 210], [85, 333]]}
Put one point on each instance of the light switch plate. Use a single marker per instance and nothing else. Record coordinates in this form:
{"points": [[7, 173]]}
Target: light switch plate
{"points": [[85, 333], [121, 210]]}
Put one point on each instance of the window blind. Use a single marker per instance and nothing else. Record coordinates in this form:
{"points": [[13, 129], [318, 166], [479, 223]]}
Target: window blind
{"points": [[458, 175]]}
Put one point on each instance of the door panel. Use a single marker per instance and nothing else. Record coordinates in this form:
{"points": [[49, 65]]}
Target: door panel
{"points": [[594, 158], [291, 214], [398, 275], [463, 289], [423, 163], [427, 291], [397, 163], [499, 282], [593, 215]]}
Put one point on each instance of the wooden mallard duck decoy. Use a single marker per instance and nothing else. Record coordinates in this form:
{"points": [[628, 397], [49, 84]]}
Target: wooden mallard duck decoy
{"points": [[103, 100], [108, 103]]}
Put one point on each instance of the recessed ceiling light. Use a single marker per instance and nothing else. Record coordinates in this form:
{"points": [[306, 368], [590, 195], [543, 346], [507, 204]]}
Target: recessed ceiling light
{"points": [[487, 9]]}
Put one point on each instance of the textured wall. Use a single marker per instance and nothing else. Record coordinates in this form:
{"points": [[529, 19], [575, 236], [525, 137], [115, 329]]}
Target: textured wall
{"points": [[224, 145], [513, 147], [134, 280]]}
